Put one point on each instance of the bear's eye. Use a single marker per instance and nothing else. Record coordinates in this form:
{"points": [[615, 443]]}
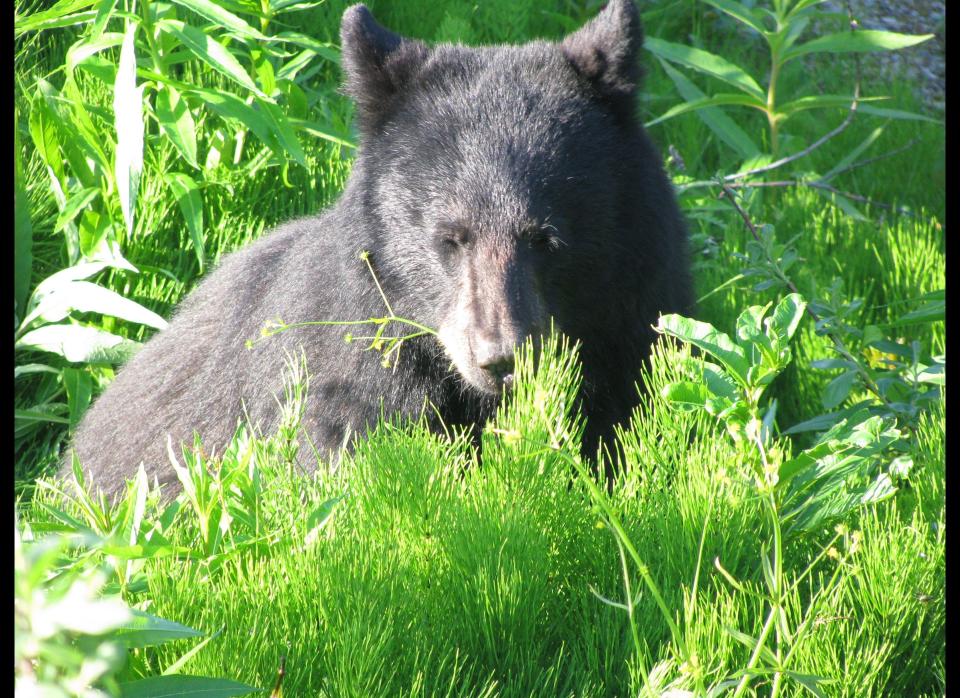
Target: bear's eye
{"points": [[453, 239], [544, 240]]}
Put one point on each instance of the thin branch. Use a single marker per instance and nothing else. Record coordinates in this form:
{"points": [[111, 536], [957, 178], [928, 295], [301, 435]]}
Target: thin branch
{"points": [[870, 161], [819, 184]]}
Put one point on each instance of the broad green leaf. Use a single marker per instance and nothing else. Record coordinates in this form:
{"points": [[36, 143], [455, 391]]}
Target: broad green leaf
{"points": [[318, 131], [787, 315], [838, 389], [825, 421], [88, 138], [801, 5], [707, 63], [144, 630], [740, 13], [221, 17], [75, 204], [293, 5], [83, 49], [822, 101], [859, 41], [750, 324], [231, 107], [709, 339], [41, 413], [719, 382], [79, 343], [63, 13], [104, 13], [264, 71], [720, 100], [810, 682], [722, 125], [686, 395], [79, 386], [191, 206], [85, 297], [933, 309], [181, 686], [43, 132], [174, 117], [27, 369], [897, 114], [281, 126], [22, 233], [210, 51], [325, 50], [128, 113]]}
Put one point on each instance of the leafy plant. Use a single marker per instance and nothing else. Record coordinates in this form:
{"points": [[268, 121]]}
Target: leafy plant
{"points": [[781, 26], [71, 639]]}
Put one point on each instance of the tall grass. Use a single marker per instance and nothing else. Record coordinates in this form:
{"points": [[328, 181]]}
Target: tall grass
{"points": [[412, 568]]}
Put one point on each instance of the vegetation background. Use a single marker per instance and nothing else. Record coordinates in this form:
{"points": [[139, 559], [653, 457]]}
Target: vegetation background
{"points": [[780, 529]]}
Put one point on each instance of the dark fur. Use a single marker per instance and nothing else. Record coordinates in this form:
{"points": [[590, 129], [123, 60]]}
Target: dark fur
{"points": [[495, 188]]}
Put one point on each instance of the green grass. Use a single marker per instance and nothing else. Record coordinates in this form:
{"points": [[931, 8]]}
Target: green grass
{"points": [[439, 576]]}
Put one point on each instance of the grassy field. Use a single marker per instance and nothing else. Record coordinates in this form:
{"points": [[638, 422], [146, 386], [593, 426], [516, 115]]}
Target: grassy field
{"points": [[411, 570]]}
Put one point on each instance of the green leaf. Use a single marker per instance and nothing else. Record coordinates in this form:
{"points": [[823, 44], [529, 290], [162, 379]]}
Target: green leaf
{"points": [[821, 102], [933, 309], [708, 338], [738, 12], [281, 126], [318, 131], [706, 102], [83, 49], [722, 125], [325, 50], [897, 114], [231, 107], [859, 41], [79, 344], [79, 387], [63, 13], [191, 206], [686, 395], [838, 389], [809, 682], [104, 13], [222, 17], [22, 233], [787, 316], [854, 154], [173, 115], [707, 63], [128, 112], [85, 297], [75, 204], [175, 686], [43, 132], [719, 382], [144, 630], [209, 51]]}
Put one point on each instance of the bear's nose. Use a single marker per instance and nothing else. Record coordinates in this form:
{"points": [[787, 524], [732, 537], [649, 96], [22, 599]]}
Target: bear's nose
{"points": [[501, 369]]}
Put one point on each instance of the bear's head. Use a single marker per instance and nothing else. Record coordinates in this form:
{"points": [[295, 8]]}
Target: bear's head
{"points": [[495, 181]]}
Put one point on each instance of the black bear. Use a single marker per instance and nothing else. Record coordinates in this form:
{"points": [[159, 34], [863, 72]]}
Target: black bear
{"points": [[495, 189]]}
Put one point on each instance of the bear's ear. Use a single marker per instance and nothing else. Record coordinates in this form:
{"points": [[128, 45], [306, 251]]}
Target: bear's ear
{"points": [[378, 64], [605, 51]]}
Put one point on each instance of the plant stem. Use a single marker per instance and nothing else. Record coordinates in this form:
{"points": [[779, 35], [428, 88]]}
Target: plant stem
{"points": [[771, 109]]}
